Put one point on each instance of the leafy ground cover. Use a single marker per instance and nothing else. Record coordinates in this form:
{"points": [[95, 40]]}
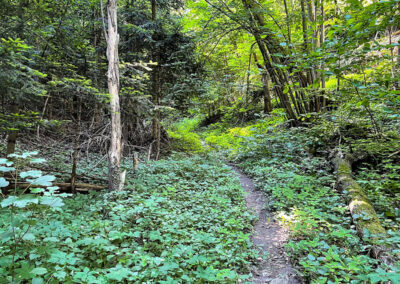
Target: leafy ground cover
{"points": [[300, 188], [180, 219]]}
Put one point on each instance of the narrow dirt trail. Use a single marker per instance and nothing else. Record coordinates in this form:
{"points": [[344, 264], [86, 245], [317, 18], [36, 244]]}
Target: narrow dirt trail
{"points": [[275, 267]]}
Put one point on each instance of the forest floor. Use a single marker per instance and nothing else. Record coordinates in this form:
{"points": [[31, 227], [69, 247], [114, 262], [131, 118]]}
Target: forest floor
{"points": [[195, 219], [269, 237]]}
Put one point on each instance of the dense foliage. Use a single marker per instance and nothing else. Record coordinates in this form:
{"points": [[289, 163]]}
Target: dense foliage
{"points": [[173, 222], [281, 88]]}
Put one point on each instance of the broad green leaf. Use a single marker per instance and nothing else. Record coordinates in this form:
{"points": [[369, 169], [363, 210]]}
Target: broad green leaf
{"points": [[6, 169], [37, 281], [25, 200], [8, 201], [24, 272], [43, 180], [39, 271], [118, 274], [37, 190], [4, 161], [33, 174], [51, 201], [29, 237], [4, 182], [60, 275], [4, 237]]}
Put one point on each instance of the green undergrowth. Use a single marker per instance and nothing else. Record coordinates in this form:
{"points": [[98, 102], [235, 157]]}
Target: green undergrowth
{"points": [[382, 185], [230, 140], [178, 220], [300, 189], [183, 136]]}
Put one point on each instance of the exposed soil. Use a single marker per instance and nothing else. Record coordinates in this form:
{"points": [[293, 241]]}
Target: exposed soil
{"points": [[273, 266]]}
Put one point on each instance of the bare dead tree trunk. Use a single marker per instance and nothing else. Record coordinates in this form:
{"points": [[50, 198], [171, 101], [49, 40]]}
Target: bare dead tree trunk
{"points": [[114, 170], [42, 115]]}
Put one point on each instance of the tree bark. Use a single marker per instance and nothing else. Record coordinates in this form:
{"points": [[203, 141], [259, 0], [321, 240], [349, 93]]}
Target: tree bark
{"points": [[304, 25], [78, 111], [322, 40], [11, 141], [12, 134], [156, 92], [267, 92], [271, 44], [114, 171], [288, 24], [266, 86]]}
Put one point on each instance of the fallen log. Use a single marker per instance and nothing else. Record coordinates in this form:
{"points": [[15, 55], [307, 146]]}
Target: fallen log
{"points": [[362, 212], [58, 172], [63, 186]]}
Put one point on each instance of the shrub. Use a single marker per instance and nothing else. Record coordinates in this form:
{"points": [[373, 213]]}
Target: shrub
{"points": [[183, 138]]}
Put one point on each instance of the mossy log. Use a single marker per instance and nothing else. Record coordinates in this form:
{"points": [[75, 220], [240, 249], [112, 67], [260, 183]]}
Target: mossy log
{"points": [[361, 209]]}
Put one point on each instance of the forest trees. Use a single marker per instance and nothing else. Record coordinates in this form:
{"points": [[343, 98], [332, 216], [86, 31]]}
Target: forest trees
{"points": [[302, 46], [53, 61]]}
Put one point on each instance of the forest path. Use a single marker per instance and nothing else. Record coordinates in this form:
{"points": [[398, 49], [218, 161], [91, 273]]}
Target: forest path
{"points": [[275, 267]]}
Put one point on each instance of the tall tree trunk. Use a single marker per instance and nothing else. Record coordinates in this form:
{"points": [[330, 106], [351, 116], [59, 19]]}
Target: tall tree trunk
{"points": [[267, 92], [114, 170], [288, 25], [270, 42], [311, 24], [78, 112], [322, 41], [156, 92], [265, 79], [304, 25]]}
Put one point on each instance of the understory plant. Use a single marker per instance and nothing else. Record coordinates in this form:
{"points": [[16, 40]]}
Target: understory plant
{"points": [[179, 219], [300, 189], [27, 198]]}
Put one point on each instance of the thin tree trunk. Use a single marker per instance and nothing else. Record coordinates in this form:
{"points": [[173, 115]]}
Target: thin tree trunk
{"points": [[311, 23], [41, 117], [393, 69], [322, 41], [113, 88], [12, 134], [304, 25], [78, 112], [156, 91], [266, 86], [267, 93], [288, 25], [11, 141]]}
